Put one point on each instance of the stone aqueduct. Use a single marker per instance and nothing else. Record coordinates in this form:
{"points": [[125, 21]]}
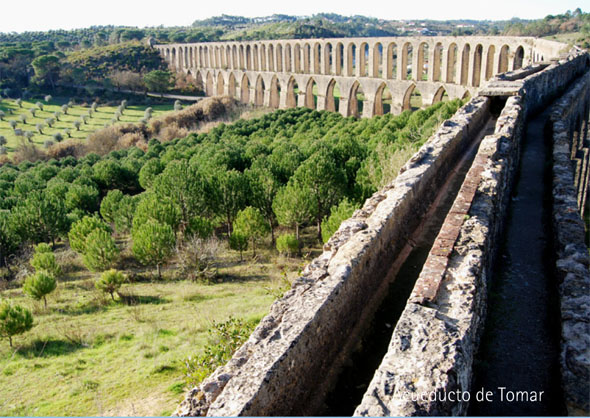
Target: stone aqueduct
{"points": [[292, 362], [329, 74]]}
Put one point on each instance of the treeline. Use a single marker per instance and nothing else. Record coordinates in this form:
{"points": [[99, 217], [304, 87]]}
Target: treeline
{"points": [[550, 25], [292, 168], [98, 71]]}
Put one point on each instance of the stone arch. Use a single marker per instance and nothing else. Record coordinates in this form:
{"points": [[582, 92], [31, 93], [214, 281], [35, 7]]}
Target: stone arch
{"points": [[248, 57], [292, 93], [490, 62], [338, 58], [412, 98], [255, 60], [465, 64], [180, 58], [306, 58], [383, 99], [518, 58], [217, 57], [211, 57], [199, 80], [363, 59], [421, 65], [406, 61], [452, 63], [234, 53], [231, 85], [209, 86], [263, 57], [356, 100], [259, 91], [440, 95], [332, 96], [191, 58], [275, 92], [242, 62], [271, 57], [437, 64], [351, 59], [173, 61], [466, 95], [220, 84], [245, 89], [377, 60], [477, 56], [328, 63], [297, 58], [503, 59], [228, 57], [279, 55], [391, 61], [316, 58], [311, 98]]}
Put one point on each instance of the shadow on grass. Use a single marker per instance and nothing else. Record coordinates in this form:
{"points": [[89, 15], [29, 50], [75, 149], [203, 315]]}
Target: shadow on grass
{"points": [[48, 348], [83, 309], [130, 299]]}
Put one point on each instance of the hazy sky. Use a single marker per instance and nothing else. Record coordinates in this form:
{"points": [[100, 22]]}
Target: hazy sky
{"points": [[23, 15]]}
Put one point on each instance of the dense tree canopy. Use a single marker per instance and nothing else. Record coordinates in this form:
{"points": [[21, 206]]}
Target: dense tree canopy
{"points": [[290, 167]]}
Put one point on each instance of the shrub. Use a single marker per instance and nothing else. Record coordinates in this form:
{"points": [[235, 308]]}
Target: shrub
{"points": [[199, 227], [100, 251], [43, 260], [14, 320], [82, 229], [287, 244], [39, 285], [224, 339], [339, 213], [110, 281], [196, 258]]}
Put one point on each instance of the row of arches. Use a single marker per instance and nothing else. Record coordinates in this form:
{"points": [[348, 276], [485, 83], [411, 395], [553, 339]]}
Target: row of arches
{"points": [[350, 99], [437, 60]]}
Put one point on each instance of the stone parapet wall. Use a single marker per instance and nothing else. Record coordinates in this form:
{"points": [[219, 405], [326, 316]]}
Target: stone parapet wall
{"points": [[573, 261], [427, 369], [293, 356]]}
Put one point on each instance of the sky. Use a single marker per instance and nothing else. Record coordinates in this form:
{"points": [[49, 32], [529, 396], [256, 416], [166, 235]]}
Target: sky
{"points": [[36, 15]]}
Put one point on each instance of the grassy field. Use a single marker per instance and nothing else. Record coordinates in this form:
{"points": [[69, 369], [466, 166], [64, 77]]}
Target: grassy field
{"points": [[102, 116], [570, 38], [89, 355]]}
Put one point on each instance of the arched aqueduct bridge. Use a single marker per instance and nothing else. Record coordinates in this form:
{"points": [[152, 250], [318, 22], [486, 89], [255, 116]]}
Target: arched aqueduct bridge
{"points": [[336, 74]]}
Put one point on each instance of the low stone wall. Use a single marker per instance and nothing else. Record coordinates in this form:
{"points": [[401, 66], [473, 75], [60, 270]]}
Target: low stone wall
{"points": [[573, 261], [427, 369], [293, 356]]}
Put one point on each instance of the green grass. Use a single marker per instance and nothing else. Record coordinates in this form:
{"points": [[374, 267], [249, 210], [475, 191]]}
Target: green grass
{"points": [[103, 115], [570, 38], [87, 355]]}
